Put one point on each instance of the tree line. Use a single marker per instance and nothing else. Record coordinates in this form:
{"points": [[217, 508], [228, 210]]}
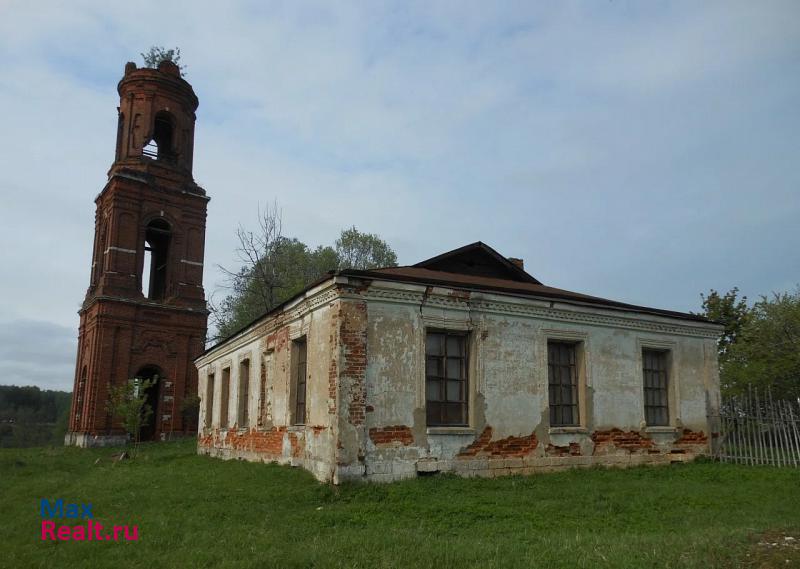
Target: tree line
{"points": [[30, 416]]}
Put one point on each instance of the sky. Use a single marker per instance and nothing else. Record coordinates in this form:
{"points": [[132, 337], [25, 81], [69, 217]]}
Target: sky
{"points": [[640, 151]]}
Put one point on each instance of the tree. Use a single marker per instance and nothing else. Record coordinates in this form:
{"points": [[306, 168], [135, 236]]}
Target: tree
{"points": [[129, 402], [156, 54], [190, 409], [767, 350], [729, 311], [274, 268], [356, 250]]}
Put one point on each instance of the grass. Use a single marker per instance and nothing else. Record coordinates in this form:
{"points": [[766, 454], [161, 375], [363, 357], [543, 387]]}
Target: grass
{"points": [[196, 511]]}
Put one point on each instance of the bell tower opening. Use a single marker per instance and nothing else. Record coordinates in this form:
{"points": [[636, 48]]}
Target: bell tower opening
{"points": [[161, 145], [156, 256]]}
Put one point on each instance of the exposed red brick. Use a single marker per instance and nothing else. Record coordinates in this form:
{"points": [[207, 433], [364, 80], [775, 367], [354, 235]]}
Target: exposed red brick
{"points": [[690, 437], [297, 445], [120, 331], [390, 435], [507, 447], [628, 440], [572, 449], [268, 442], [460, 294], [353, 338]]}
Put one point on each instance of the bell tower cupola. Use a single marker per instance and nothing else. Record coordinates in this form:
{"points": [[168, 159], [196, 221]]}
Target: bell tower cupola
{"points": [[156, 117]]}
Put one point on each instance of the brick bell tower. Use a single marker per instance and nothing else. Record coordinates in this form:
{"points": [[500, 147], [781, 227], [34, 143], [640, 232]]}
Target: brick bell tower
{"points": [[145, 314]]}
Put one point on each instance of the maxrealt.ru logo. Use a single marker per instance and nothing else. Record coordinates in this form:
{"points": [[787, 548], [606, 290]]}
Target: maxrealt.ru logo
{"points": [[92, 531]]}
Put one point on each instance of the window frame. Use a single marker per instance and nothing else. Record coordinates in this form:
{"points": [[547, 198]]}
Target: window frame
{"points": [[656, 406], [556, 370], [264, 383], [243, 395], [208, 419], [299, 404], [443, 379], [224, 397]]}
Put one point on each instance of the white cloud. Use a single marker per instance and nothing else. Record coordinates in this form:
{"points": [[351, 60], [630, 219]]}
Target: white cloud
{"points": [[638, 151]]}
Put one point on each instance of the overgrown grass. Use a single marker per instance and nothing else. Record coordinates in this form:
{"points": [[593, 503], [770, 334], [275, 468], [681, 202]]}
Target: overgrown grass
{"points": [[199, 512]]}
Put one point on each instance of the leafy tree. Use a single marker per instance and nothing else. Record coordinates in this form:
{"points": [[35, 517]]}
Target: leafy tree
{"points": [[129, 402], [274, 268], [356, 250], [731, 312], [767, 350], [156, 54], [190, 409]]}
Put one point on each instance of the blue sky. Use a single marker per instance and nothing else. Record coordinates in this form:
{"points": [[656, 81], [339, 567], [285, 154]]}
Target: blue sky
{"points": [[642, 151]]}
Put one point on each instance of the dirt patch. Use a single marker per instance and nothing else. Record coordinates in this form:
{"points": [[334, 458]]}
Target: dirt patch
{"points": [[771, 550]]}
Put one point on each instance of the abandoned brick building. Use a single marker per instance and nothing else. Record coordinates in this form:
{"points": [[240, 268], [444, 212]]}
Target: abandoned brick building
{"points": [[462, 363], [144, 314]]}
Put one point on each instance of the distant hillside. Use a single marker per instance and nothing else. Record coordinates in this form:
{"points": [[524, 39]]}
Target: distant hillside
{"points": [[31, 417]]}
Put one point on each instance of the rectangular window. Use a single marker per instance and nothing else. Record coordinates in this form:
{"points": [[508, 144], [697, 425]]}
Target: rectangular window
{"points": [[562, 383], [656, 395], [299, 348], [244, 392], [224, 389], [446, 393], [266, 370], [209, 400]]}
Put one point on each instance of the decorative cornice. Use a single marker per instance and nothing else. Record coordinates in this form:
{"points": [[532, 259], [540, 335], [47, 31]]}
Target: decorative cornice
{"points": [[531, 310], [271, 324]]}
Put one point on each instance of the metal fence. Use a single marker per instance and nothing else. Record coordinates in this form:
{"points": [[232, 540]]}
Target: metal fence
{"points": [[757, 429]]}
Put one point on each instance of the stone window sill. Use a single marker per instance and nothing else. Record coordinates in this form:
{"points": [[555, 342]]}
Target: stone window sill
{"points": [[450, 431], [568, 430], [664, 430]]}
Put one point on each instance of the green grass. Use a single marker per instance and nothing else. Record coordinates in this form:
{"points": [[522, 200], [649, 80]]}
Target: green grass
{"points": [[199, 512]]}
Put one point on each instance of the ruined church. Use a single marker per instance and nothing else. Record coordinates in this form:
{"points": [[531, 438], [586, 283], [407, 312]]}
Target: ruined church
{"points": [[462, 363]]}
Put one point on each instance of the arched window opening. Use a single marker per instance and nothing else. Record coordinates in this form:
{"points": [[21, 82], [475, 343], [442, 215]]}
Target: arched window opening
{"points": [[160, 146], [120, 127], [149, 427], [156, 249], [79, 395]]}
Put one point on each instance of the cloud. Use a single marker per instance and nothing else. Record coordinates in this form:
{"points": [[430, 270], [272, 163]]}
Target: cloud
{"points": [[37, 353], [638, 151]]}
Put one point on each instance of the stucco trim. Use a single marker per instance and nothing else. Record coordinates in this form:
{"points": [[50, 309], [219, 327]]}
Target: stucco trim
{"points": [[553, 310]]}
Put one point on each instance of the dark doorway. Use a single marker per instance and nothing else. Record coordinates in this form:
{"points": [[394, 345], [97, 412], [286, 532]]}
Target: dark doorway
{"points": [[148, 430]]}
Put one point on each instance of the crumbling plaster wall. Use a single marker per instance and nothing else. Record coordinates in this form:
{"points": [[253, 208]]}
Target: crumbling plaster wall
{"points": [[272, 433], [509, 409]]}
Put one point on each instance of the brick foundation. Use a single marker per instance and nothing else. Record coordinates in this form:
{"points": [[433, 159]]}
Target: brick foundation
{"points": [[507, 447], [391, 435], [631, 441]]}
